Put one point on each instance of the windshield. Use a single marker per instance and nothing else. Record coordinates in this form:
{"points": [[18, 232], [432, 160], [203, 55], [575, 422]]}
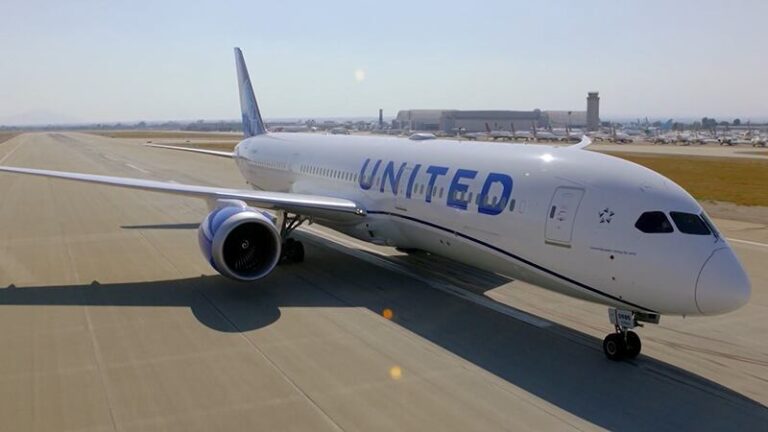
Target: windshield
{"points": [[654, 222], [689, 223]]}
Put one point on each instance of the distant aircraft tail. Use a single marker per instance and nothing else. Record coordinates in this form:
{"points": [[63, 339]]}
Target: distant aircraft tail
{"points": [[252, 122]]}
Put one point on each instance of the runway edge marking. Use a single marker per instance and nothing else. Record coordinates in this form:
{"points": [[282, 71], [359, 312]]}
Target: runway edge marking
{"points": [[375, 257], [7, 155], [748, 242]]}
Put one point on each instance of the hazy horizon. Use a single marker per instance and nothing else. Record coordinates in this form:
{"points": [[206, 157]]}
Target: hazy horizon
{"points": [[94, 61]]}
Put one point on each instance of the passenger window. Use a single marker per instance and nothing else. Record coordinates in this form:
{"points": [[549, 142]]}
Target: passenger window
{"points": [[654, 222], [689, 223], [511, 205]]}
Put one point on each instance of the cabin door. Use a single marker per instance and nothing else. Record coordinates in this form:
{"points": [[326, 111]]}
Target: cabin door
{"points": [[562, 214]]}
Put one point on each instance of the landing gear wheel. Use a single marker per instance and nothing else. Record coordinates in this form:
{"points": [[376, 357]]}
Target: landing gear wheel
{"points": [[293, 251], [633, 345], [298, 252], [614, 347]]}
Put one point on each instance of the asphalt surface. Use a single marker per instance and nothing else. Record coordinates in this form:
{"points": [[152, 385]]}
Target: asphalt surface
{"points": [[111, 320]]}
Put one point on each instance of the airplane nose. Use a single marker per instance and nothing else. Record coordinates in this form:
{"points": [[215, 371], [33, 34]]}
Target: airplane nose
{"points": [[722, 286]]}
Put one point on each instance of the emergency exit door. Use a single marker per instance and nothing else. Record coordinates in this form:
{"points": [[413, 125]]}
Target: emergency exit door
{"points": [[562, 214]]}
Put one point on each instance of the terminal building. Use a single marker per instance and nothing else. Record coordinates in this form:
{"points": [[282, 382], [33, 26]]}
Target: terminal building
{"points": [[452, 121]]}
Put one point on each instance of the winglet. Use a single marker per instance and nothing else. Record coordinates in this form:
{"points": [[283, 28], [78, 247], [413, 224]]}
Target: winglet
{"points": [[252, 123], [585, 141]]}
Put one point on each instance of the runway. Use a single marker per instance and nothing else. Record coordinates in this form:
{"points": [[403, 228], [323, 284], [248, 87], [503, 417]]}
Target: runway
{"points": [[111, 320]]}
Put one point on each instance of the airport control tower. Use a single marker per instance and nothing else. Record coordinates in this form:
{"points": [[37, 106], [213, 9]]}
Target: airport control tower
{"points": [[593, 111]]}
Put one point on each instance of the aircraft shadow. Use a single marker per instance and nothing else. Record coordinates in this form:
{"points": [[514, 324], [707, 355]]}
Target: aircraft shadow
{"points": [[569, 372]]}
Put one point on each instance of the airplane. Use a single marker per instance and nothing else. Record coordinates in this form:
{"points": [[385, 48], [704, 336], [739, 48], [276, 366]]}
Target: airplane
{"points": [[291, 128], [422, 136], [620, 137], [581, 223], [519, 135], [567, 134], [339, 130], [536, 134], [497, 135], [472, 136], [759, 141], [613, 136]]}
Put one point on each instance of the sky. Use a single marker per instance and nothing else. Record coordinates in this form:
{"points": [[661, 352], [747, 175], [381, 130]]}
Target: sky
{"points": [[102, 61]]}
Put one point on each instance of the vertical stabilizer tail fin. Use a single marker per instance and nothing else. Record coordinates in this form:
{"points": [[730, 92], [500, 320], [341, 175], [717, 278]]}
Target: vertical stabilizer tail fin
{"points": [[252, 122]]}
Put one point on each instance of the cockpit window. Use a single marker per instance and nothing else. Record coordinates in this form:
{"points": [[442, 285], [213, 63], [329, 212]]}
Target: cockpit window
{"points": [[689, 223], [710, 225], [654, 222]]}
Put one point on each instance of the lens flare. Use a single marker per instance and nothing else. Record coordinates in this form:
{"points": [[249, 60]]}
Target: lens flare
{"points": [[395, 373]]}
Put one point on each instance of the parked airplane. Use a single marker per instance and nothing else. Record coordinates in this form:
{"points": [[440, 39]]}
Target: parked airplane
{"points": [[422, 136], [759, 141], [577, 222], [473, 136], [499, 135], [291, 128], [613, 136]]}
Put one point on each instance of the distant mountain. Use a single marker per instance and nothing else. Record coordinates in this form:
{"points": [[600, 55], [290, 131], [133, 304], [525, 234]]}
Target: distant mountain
{"points": [[39, 118]]}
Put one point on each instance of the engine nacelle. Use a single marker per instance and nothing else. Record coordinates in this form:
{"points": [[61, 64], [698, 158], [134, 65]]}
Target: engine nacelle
{"points": [[240, 242]]}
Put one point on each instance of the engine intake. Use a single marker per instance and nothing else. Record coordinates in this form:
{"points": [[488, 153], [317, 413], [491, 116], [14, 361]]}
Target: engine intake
{"points": [[240, 242]]}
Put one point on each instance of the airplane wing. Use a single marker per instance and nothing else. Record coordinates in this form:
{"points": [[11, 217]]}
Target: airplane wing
{"points": [[585, 141], [194, 150], [322, 207]]}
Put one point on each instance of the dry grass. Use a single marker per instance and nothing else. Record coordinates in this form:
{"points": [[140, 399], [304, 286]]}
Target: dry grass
{"points": [[164, 134], [737, 180], [755, 152]]}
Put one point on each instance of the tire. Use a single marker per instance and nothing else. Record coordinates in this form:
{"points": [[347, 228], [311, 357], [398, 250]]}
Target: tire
{"points": [[287, 253], [633, 345], [298, 252], [293, 251], [613, 347]]}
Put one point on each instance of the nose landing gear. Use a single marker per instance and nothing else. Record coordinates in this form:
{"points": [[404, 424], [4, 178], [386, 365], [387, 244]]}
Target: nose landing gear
{"points": [[624, 343]]}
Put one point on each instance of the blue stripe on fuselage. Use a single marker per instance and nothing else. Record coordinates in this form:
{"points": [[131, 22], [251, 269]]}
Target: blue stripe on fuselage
{"points": [[513, 256]]}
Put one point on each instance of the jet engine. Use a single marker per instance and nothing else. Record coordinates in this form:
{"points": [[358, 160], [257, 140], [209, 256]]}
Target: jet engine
{"points": [[240, 242]]}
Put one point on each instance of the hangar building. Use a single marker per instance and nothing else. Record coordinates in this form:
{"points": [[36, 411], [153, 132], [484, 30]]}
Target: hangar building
{"points": [[451, 121]]}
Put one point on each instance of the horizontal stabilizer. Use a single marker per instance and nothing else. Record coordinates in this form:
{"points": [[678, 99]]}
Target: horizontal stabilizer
{"points": [[195, 150]]}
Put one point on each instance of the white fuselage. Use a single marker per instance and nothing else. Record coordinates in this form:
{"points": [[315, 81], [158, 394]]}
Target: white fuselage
{"points": [[560, 218]]}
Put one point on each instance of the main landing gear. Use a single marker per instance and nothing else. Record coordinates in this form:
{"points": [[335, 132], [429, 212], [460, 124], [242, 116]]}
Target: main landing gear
{"points": [[624, 343], [292, 250]]}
